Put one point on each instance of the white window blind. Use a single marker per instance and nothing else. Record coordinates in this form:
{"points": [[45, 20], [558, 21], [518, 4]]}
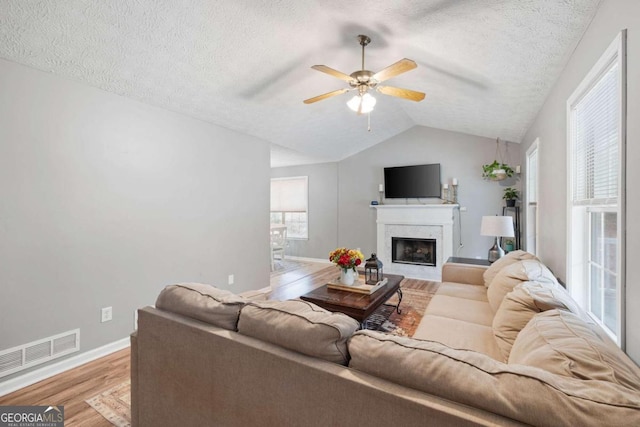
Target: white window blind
{"points": [[595, 122], [289, 194]]}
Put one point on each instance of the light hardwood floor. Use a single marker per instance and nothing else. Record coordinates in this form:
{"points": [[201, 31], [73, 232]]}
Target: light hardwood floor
{"points": [[305, 269], [300, 281], [73, 387]]}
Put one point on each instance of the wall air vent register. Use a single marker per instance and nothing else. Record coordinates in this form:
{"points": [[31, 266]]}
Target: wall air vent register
{"points": [[37, 352]]}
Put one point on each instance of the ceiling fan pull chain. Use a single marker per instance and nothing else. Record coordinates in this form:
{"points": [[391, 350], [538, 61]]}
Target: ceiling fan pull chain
{"points": [[369, 122]]}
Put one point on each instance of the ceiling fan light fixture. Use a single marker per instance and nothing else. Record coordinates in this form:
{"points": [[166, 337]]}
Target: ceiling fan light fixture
{"points": [[362, 103], [364, 80]]}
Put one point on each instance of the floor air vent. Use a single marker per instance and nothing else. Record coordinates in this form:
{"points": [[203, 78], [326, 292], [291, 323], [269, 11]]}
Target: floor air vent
{"points": [[34, 353]]}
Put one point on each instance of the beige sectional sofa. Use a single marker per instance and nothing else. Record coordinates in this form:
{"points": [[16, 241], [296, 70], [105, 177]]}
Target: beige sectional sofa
{"points": [[498, 346]]}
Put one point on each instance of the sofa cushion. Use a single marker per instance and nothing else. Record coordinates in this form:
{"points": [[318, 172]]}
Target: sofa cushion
{"points": [[203, 302], [562, 343], [523, 393], [514, 274], [300, 326], [470, 274], [469, 310], [508, 259], [462, 290], [525, 301], [459, 334]]}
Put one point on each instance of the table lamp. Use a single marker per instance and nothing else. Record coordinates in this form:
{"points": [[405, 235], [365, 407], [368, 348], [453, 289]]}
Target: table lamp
{"points": [[496, 226]]}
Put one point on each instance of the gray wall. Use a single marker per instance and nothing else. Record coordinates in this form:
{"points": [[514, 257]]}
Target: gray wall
{"points": [[460, 156], [323, 209], [550, 127], [105, 200]]}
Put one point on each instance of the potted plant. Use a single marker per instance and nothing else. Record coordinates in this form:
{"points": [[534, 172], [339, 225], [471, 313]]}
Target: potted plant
{"points": [[496, 171], [508, 245], [510, 195]]}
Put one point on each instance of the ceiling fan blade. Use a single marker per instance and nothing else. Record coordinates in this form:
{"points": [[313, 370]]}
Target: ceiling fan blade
{"points": [[393, 70], [325, 96], [411, 95], [334, 73]]}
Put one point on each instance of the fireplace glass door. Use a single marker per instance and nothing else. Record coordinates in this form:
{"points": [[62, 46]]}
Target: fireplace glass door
{"points": [[406, 250]]}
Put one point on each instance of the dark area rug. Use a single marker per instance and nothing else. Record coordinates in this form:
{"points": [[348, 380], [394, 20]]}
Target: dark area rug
{"points": [[416, 297], [114, 404]]}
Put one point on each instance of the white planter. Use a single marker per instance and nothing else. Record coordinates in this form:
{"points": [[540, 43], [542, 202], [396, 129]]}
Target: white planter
{"points": [[347, 276], [498, 174]]}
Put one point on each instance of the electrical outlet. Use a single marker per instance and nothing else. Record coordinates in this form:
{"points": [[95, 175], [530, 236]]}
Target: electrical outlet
{"points": [[231, 279], [107, 314]]}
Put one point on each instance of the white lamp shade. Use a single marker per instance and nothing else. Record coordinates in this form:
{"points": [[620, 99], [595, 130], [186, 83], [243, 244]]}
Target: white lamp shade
{"points": [[497, 226]]}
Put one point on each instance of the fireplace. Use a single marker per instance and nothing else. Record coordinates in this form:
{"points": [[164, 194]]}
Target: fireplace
{"points": [[422, 222], [405, 250]]}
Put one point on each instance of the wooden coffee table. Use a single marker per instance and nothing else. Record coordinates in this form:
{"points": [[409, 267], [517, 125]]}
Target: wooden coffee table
{"points": [[358, 306]]}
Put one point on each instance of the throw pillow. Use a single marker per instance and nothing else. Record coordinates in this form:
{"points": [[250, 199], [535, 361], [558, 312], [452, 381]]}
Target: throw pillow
{"points": [[300, 326], [514, 274], [508, 259], [525, 301], [203, 302], [560, 342]]}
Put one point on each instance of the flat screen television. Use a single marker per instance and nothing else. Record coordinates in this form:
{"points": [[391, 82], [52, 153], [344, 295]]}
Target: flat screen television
{"points": [[406, 182]]}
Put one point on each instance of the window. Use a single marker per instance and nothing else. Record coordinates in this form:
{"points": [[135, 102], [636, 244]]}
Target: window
{"points": [[289, 200], [532, 198], [602, 263], [596, 133]]}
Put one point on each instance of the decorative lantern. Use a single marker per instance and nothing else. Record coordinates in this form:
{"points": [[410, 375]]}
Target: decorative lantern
{"points": [[373, 270]]}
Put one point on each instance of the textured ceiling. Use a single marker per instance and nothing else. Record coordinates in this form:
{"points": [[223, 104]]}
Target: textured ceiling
{"points": [[485, 65]]}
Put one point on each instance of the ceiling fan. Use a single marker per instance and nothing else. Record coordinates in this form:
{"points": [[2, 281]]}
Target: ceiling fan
{"points": [[363, 80]]}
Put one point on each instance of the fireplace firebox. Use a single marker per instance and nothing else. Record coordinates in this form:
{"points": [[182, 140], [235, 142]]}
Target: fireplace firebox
{"points": [[406, 250]]}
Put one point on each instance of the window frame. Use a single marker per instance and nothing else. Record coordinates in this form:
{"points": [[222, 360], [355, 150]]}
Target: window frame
{"points": [[578, 215]]}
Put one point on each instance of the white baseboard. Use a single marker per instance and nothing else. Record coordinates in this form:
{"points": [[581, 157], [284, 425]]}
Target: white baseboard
{"points": [[43, 373], [301, 258]]}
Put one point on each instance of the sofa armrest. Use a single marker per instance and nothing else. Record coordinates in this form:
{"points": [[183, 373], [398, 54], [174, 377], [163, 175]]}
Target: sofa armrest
{"points": [[134, 379], [463, 273]]}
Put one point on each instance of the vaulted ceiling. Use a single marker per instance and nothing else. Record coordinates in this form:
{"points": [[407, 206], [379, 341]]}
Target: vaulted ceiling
{"points": [[485, 65]]}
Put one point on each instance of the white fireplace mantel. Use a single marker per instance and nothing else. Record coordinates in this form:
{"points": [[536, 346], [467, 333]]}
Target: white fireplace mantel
{"points": [[416, 221]]}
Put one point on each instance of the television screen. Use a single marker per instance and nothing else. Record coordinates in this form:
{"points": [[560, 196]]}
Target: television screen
{"points": [[418, 181]]}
